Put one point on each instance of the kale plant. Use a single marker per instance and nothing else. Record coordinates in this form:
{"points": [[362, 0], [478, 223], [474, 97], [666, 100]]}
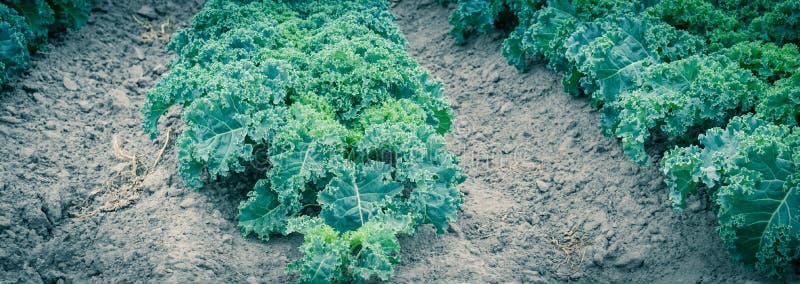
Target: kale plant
{"points": [[351, 124]]}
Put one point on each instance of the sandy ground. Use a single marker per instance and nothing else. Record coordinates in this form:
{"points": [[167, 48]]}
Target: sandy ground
{"points": [[549, 199]]}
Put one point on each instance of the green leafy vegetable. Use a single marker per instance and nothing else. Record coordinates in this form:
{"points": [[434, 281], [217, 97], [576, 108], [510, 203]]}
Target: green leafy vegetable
{"points": [[357, 194], [14, 36], [677, 96], [752, 169], [779, 24], [26, 24], [664, 71], [782, 102], [262, 213], [351, 124], [331, 256]]}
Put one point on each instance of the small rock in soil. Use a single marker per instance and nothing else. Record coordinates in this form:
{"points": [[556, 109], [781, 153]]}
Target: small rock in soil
{"points": [[70, 84], [52, 205], [598, 257], [147, 11], [119, 98], [30, 87], [85, 106], [542, 185], [138, 52], [448, 59], [136, 72], [694, 205], [506, 107], [175, 192], [532, 276], [631, 259], [37, 97], [36, 218], [159, 69], [10, 120], [5, 222], [567, 144], [188, 202], [508, 148]]}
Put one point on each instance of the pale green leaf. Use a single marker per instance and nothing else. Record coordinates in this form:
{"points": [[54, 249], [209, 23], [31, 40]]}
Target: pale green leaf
{"points": [[357, 193], [262, 213]]}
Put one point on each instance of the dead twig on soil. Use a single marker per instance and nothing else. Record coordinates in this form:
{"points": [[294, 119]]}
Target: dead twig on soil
{"points": [[160, 152], [118, 151], [121, 189], [573, 245], [153, 32]]}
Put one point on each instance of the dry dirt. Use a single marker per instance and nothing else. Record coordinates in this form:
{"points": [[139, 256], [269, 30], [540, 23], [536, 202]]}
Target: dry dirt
{"points": [[549, 199]]}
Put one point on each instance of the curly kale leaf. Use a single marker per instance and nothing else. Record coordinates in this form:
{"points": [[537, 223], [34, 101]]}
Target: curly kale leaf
{"points": [[29, 22], [14, 36], [613, 50], [674, 97], [681, 166], [218, 126], [351, 26], [376, 247], [473, 16], [767, 60], [780, 24], [217, 18], [39, 17], [703, 18], [547, 30], [328, 255], [672, 44], [751, 169], [70, 14], [262, 213], [759, 203], [514, 50], [613, 60], [436, 173], [687, 168], [325, 252], [304, 152], [480, 16], [745, 10], [258, 85], [356, 194], [782, 102], [358, 73], [222, 123]]}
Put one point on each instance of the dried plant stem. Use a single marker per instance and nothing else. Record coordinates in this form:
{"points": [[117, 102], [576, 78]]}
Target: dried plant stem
{"points": [[118, 151], [160, 152]]}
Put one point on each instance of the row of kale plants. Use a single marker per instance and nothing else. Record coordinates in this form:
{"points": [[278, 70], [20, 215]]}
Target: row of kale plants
{"points": [[716, 80], [26, 24]]}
